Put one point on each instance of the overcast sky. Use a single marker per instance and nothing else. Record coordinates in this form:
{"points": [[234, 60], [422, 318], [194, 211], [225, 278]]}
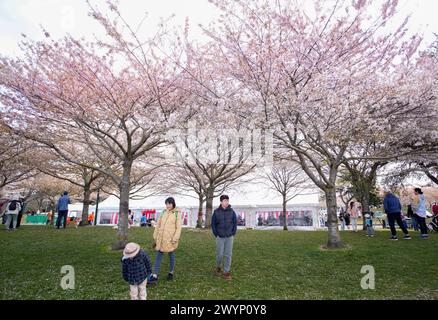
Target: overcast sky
{"points": [[70, 16]]}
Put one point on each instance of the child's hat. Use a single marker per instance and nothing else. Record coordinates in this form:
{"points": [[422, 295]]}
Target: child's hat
{"points": [[131, 250]]}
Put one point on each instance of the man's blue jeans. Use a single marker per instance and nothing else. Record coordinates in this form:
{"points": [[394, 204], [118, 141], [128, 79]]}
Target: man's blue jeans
{"points": [[62, 218], [224, 247]]}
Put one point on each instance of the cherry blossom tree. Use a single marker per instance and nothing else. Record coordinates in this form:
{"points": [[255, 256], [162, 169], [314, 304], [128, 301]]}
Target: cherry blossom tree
{"points": [[212, 162], [71, 94], [16, 160], [325, 79], [288, 180], [212, 149], [89, 180], [46, 190]]}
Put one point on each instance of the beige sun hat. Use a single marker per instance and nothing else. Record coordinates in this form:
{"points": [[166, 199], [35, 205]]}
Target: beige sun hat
{"points": [[131, 250]]}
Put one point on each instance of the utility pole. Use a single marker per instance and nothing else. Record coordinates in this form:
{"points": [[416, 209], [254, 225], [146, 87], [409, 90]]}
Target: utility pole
{"points": [[97, 206]]}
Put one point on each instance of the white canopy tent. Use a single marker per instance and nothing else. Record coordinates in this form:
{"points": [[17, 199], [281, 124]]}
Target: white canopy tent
{"points": [[256, 205]]}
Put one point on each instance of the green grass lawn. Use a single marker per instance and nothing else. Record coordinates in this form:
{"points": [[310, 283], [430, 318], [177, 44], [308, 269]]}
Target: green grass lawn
{"points": [[266, 265]]}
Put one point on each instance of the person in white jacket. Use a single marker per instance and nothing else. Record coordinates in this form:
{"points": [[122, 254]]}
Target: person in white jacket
{"points": [[12, 210], [419, 203]]}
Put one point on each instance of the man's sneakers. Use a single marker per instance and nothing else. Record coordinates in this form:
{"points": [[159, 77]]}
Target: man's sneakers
{"points": [[406, 237], [227, 276], [424, 236], [218, 271], [170, 276]]}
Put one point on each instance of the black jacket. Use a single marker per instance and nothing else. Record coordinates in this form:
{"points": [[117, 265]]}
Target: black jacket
{"points": [[224, 222]]}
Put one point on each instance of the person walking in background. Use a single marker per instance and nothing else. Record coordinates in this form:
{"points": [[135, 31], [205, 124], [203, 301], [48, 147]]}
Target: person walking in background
{"points": [[354, 215], [419, 204], [91, 219], [393, 208], [13, 208], [347, 219], [143, 221], [20, 214], [342, 218], [130, 218], [49, 217], [224, 227], [62, 208], [369, 225]]}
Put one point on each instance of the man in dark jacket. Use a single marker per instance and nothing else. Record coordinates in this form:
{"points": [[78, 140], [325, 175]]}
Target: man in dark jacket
{"points": [[393, 210], [224, 227], [62, 209]]}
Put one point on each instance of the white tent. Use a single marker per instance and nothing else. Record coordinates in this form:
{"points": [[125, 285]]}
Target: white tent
{"points": [[255, 204], [75, 209]]}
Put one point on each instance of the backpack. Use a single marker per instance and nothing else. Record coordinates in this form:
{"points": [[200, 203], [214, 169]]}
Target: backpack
{"points": [[12, 205]]}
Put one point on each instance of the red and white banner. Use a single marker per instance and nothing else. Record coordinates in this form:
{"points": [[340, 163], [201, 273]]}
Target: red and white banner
{"points": [[115, 218], [150, 214]]}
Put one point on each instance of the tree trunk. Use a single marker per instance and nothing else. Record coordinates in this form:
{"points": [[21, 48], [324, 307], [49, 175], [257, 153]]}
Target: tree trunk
{"points": [[200, 207], [209, 208], [86, 205], [334, 238], [365, 206], [124, 189], [284, 213]]}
